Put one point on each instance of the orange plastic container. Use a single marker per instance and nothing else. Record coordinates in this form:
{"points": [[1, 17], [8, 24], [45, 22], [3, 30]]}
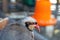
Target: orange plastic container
{"points": [[43, 13]]}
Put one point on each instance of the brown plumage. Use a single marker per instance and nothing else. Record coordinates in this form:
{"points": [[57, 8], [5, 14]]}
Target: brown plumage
{"points": [[3, 23]]}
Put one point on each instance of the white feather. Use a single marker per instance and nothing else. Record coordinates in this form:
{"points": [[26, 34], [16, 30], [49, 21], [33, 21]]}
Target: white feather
{"points": [[30, 19]]}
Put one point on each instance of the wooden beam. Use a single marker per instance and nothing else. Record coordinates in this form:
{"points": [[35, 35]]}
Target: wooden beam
{"points": [[5, 4]]}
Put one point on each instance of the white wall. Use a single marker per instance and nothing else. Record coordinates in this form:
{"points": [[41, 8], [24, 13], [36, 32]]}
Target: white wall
{"points": [[53, 1], [13, 1]]}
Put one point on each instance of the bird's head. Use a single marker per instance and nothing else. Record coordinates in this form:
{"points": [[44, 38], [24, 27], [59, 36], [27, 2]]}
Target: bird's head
{"points": [[31, 23]]}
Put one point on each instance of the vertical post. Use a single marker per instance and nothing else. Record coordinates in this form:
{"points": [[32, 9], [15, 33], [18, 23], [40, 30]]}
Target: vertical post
{"points": [[49, 31], [5, 4], [57, 8]]}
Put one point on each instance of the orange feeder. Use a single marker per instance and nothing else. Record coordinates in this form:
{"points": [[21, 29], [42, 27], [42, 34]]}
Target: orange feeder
{"points": [[42, 13]]}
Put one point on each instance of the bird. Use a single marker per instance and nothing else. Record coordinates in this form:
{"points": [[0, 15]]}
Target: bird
{"points": [[29, 21], [31, 24], [20, 31]]}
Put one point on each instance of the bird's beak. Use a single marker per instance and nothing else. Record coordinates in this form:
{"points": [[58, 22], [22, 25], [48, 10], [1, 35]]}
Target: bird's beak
{"points": [[37, 27]]}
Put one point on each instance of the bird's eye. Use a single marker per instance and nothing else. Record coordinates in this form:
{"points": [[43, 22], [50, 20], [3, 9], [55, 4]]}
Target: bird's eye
{"points": [[35, 23]]}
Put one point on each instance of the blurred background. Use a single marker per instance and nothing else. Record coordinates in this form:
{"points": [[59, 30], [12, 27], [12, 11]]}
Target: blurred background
{"points": [[26, 8]]}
